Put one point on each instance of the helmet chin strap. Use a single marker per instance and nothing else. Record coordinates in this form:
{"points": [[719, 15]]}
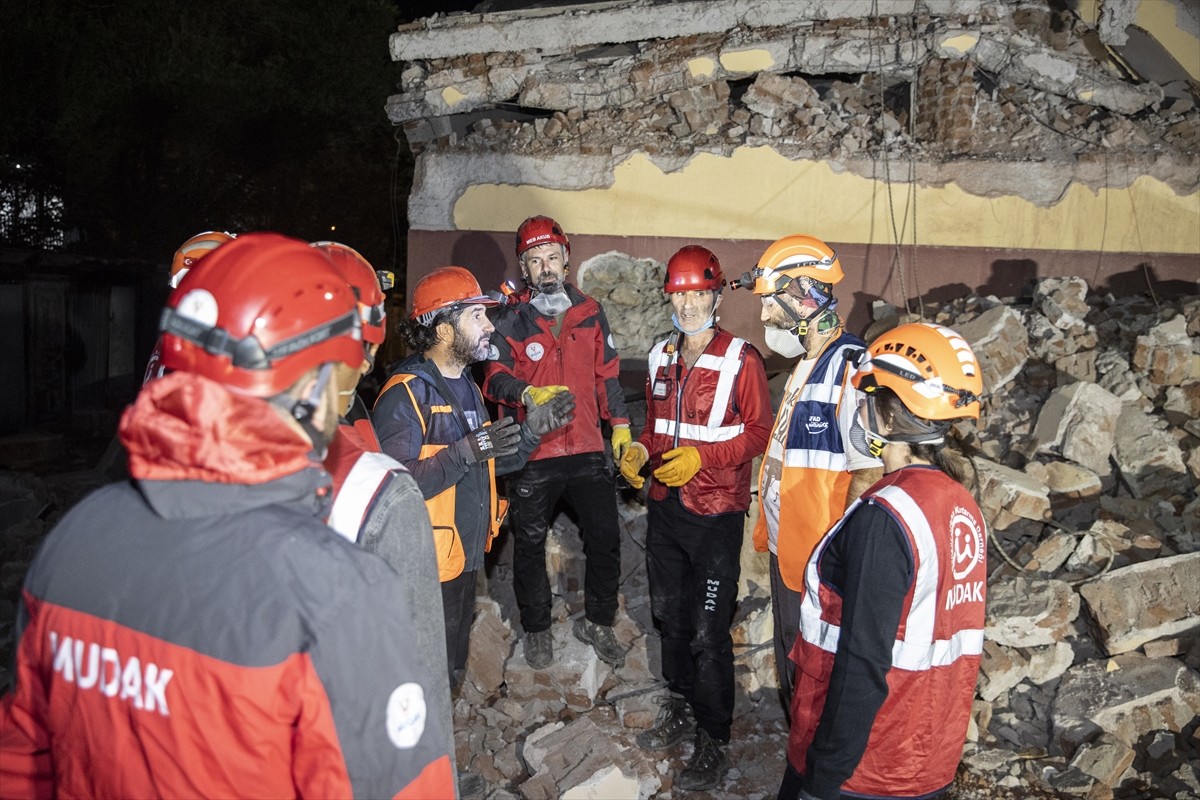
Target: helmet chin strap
{"points": [[824, 317], [304, 409], [931, 432]]}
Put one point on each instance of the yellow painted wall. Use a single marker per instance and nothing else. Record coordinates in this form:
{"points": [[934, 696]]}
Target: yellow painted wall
{"points": [[1158, 18], [759, 194]]}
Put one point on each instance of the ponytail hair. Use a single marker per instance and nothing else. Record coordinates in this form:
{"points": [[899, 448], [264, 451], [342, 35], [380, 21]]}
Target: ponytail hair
{"points": [[946, 455]]}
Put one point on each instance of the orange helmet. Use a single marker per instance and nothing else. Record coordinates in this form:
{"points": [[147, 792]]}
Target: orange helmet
{"points": [[792, 257], [445, 288], [541, 230], [364, 280], [264, 310], [931, 369], [194, 249], [693, 267]]}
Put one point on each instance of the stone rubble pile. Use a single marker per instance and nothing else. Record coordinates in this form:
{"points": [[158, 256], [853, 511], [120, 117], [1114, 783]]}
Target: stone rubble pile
{"points": [[996, 81], [1088, 453]]}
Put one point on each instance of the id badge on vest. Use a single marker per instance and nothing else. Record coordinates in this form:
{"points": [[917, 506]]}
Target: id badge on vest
{"points": [[662, 385]]}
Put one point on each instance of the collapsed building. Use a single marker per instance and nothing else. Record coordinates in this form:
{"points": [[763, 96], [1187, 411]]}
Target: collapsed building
{"points": [[1026, 171]]}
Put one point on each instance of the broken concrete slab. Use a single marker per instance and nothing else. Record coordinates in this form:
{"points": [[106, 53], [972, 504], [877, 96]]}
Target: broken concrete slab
{"points": [[1079, 422], [1123, 696], [575, 754], [1167, 355], [1001, 344], [1001, 668], [1030, 612], [1143, 602], [1007, 495], [1148, 457], [1105, 759], [490, 644], [575, 677]]}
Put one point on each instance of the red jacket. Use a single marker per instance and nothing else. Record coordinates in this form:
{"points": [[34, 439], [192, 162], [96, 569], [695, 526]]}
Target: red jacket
{"points": [[200, 632], [916, 737], [581, 357], [725, 409]]}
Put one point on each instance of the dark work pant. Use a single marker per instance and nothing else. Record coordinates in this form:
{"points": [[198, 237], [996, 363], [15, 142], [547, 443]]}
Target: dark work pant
{"points": [[693, 563], [785, 613], [458, 606], [585, 482]]}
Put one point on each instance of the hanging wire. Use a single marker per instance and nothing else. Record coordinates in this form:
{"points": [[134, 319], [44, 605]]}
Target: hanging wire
{"points": [[394, 197]]}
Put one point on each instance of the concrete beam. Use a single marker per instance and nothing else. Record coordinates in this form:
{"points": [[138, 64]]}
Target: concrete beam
{"points": [[564, 28]]}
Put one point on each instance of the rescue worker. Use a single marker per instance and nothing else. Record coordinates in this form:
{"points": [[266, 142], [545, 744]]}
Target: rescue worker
{"points": [[199, 630], [892, 627], [810, 473], [708, 415], [552, 337], [186, 257], [431, 418], [376, 502]]}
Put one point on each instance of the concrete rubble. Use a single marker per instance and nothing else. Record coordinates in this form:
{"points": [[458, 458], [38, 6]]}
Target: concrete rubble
{"points": [[948, 84]]}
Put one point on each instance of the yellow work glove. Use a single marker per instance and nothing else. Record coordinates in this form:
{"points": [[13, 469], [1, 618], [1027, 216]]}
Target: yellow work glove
{"points": [[539, 395], [631, 464], [679, 466], [621, 438]]}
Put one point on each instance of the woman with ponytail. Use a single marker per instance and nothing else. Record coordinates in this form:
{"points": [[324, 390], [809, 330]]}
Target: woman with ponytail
{"points": [[891, 626]]}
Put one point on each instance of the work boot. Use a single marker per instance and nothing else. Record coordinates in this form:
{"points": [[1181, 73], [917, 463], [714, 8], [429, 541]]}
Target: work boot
{"points": [[674, 724], [707, 765], [601, 638], [539, 648]]}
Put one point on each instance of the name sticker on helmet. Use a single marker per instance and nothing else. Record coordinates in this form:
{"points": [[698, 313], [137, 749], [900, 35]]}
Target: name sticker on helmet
{"points": [[199, 305]]}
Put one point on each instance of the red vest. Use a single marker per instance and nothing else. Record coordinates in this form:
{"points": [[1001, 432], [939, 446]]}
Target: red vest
{"points": [[917, 737], [700, 411]]}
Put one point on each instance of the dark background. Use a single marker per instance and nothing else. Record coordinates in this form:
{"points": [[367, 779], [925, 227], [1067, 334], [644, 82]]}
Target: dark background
{"points": [[125, 128], [128, 126]]}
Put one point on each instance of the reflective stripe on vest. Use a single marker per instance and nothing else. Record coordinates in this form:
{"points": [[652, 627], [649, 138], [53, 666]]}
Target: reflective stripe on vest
{"points": [[917, 650], [727, 367], [357, 492]]}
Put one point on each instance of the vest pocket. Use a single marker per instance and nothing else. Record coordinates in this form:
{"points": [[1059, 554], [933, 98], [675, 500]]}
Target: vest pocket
{"points": [[450, 555]]}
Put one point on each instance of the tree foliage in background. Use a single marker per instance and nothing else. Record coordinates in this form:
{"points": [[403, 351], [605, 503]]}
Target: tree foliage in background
{"points": [[151, 120]]}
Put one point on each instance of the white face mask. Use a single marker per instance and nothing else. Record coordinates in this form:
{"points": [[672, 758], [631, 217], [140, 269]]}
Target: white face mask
{"points": [[551, 304], [786, 343]]}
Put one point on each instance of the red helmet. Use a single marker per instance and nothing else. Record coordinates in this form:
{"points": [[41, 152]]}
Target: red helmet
{"points": [[264, 310], [363, 279], [541, 230], [444, 288], [931, 369], [194, 249], [693, 267]]}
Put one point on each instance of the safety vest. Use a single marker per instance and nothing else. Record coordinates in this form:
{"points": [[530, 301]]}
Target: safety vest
{"points": [[441, 507], [814, 482], [360, 472], [916, 739], [709, 414]]}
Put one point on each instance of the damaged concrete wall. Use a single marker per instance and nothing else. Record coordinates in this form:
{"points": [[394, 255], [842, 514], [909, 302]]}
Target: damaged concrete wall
{"points": [[999, 137]]}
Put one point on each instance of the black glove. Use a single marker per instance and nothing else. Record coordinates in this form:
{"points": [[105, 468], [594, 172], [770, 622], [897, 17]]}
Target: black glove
{"points": [[554, 413], [494, 440]]}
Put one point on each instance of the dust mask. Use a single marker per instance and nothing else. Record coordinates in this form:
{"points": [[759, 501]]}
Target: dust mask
{"points": [[786, 343]]}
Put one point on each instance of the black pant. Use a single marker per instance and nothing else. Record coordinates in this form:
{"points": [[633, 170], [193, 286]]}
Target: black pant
{"points": [[693, 563], [785, 611], [458, 607], [585, 481]]}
